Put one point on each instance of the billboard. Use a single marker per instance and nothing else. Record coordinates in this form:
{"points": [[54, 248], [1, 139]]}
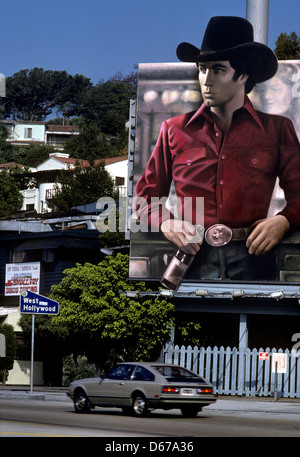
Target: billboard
{"points": [[19, 276], [170, 90]]}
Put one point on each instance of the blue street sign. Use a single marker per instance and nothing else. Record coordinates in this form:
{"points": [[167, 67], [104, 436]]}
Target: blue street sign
{"points": [[32, 303]]}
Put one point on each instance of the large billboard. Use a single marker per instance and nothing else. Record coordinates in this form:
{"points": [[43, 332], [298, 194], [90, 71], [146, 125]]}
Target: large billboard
{"points": [[167, 91]]}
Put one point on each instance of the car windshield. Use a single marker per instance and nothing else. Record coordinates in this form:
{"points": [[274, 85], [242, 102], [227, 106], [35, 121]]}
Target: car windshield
{"points": [[178, 374]]}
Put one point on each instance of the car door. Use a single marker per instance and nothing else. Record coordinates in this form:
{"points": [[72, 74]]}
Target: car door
{"points": [[113, 388]]}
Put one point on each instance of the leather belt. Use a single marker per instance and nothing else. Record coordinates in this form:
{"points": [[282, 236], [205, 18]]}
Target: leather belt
{"points": [[219, 234]]}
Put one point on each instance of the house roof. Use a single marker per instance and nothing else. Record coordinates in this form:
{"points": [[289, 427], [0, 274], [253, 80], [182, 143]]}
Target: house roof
{"points": [[70, 161], [11, 164], [51, 128], [85, 163]]}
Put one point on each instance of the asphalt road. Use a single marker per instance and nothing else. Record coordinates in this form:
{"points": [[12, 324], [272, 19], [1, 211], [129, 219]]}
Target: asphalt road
{"points": [[57, 419]]}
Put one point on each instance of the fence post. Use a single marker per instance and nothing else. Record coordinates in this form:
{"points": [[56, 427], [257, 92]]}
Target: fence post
{"points": [[228, 365], [215, 369]]}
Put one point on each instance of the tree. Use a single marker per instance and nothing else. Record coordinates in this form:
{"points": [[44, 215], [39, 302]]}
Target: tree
{"points": [[7, 362], [107, 103], [81, 186], [288, 46], [32, 155], [6, 149], [11, 198], [32, 95], [97, 321], [91, 144]]}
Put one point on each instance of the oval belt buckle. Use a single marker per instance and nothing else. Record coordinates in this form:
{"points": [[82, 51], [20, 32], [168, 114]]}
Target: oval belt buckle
{"points": [[218, 235]]}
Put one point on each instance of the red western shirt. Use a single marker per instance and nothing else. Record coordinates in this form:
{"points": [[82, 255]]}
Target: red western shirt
{"points": [[234, 172]]}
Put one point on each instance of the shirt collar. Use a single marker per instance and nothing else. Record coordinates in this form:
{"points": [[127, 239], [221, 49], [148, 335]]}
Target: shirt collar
{"points": [[204, 112]]}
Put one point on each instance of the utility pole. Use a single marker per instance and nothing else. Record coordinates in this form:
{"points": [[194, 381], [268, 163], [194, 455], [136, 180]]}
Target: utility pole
{"points": [[258, 14]]}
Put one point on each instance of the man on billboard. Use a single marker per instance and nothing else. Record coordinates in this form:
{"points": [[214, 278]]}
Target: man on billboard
{"points": [[228, 154]]}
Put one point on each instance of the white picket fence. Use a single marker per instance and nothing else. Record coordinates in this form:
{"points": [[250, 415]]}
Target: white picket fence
{"points": [[239, 372]]}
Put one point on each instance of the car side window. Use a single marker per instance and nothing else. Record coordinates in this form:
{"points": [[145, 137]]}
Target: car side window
{"points": [[121, 372], [142, 374]]}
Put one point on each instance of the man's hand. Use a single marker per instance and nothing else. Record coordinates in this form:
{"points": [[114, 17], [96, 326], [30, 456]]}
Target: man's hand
{"points": [[267, 234], [183, 234]]}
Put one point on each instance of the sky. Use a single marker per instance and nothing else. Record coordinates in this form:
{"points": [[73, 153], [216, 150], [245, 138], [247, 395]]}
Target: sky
{"points": [[98, 38]]}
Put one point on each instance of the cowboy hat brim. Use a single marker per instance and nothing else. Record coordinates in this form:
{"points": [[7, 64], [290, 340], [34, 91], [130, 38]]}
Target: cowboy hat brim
{"points": [[257, 54]]}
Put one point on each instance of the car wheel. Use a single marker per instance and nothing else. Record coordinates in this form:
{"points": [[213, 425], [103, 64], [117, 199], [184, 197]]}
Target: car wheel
{"points": [[139, 405], [189, 411], [81, 402]]}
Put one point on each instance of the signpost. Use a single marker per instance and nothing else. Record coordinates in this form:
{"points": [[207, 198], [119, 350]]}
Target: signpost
{"points": [[32, 303], [279, 365]]}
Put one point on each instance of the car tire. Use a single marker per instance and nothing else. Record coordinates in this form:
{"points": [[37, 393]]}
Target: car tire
{"points": [[81, 402], [190, 411], [139, 405]]}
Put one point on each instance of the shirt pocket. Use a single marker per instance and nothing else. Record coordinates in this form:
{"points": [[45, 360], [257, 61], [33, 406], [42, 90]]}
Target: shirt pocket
{"points": [[189, 156], [262, 159]]}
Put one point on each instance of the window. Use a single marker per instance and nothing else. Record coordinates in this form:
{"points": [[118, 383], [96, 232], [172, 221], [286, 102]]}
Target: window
{"points": [[120, 181], [142, 374], [28, 132], [178, 374], [121, 372]]}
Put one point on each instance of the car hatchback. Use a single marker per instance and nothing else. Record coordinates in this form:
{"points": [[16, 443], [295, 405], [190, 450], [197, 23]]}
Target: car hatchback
{"points": [[138, 388]]}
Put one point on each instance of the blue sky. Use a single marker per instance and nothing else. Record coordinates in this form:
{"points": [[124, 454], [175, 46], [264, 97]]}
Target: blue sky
{"points": [[98, 38]]}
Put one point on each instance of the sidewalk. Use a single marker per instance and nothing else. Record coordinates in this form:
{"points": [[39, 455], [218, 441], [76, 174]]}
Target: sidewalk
{"points": [[226, 403], [38, 393]]}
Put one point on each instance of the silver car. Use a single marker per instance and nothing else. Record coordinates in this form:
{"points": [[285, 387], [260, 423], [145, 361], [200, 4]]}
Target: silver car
{"points": [[138, 388]]}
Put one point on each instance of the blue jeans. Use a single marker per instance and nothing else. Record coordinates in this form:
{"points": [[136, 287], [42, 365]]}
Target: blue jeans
{"points": [[232, 262]]}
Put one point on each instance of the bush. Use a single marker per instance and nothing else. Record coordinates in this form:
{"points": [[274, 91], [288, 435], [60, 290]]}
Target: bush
{"points": [[77, 368]]}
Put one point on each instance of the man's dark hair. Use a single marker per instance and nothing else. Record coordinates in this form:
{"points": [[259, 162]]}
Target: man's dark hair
{"points": [[243, 67]]}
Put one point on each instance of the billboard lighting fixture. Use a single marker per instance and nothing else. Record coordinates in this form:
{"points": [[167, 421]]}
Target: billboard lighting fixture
{"points": [[201, 292], [166, 293], [132, 294], [277, 295], [238, 294]]}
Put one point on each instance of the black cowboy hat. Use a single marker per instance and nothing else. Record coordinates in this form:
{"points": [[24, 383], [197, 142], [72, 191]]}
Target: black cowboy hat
{"points": [[231, 38]]}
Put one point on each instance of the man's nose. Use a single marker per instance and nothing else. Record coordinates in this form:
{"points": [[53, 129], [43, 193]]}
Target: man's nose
{"points": [[208, 79]]}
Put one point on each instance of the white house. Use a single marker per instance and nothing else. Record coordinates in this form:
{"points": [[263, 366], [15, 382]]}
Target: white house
{"points": [[47, 175], [25, 132]]}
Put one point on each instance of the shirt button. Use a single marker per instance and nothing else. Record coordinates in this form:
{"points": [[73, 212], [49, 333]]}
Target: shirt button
{"points": [[221, 182], [254, 161], [220, 205], [188, 162], [217, 134], [223, 156]]}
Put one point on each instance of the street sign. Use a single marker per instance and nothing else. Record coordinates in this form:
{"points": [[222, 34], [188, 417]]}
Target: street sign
{"points": [[263, 356], [32, 303]]}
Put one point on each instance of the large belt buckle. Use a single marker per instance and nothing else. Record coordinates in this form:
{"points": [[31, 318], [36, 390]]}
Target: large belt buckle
{"points": [[218, 235]]}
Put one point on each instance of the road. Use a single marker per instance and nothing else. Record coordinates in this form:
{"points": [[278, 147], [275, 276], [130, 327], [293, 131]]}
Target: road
{"points": [[57, 419]]}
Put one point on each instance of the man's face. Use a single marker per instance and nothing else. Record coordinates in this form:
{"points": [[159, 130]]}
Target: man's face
{"points": [[217, 85]]}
